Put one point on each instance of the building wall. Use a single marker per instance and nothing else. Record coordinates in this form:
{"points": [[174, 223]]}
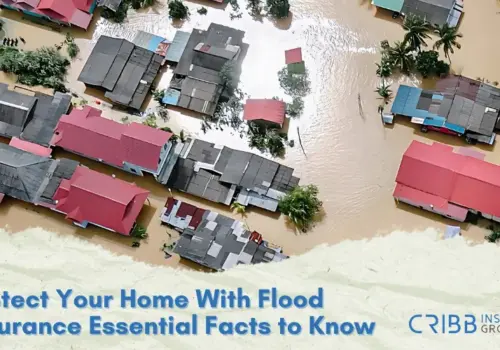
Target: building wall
{"points": [[138, 170], [428, 208]]}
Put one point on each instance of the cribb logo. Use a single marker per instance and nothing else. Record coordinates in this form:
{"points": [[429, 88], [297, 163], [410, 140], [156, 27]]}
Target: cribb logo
{"points": [[443, 324]]}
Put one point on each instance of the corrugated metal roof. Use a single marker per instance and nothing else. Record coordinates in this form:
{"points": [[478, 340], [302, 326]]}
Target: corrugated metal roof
{"points": [[177, 46], [434, 11], [269, 110], [392, 5]]}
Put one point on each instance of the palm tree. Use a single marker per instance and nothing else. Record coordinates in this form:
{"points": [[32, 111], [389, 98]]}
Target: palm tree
{"points": [[447, 39], [239, 208], [384, 91], [401, 56], [416, 31]]}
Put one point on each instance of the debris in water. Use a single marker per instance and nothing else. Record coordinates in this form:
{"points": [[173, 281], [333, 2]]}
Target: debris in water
{"points": [[300, 142], [136, 245]]}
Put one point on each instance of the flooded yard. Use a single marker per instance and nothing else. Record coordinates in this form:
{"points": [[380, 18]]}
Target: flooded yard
{"points": [[351, 157]]}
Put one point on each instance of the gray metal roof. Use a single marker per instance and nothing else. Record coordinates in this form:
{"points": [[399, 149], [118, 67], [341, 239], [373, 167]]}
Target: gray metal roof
{"points": [[15, 111], [434, 11], [48, 110], [177, 47], [110, 4], [64, 170], [125, 70], [22, 174], [203, 151]]}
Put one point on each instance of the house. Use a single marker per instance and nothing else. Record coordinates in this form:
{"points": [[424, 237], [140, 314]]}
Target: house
{"points": [[267, 111], [438, 12], [30, 177], [177, 46], [456, 184], [31, 118], [221, 174], [77, 13], [216, 241], [89, 197], [112, 5], [134, 147], [125, 71], [151, 42], [294, 62], [197, 84], [30, 147], [458, 105]]}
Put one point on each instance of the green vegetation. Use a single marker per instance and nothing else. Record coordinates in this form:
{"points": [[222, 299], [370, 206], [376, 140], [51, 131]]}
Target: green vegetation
{"points": [[448, 37], [255, 7], [236, 10], [139, 231], [267, 139], [278, 8], [384, 91], [295, 85], [295, 108], [239, 209], [494, 236], [202, 10], [384, 69], [151, 120], [177, 9], [401, 57], [302, 206], [121, 13], [226, 76], [71, 46], [45, 66], [226, 114], [417, 30], [428, 64]]}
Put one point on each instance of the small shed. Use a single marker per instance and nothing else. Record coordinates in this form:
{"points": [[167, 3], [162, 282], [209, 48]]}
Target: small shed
{"points": [[266, 110], [293, 56], [171, 97]]}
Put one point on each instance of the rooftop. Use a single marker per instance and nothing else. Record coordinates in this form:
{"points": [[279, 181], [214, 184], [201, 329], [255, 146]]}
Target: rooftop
{"points": [[468, 104], [269, 110], [449, 179], [125, 70], [77, 13], [434, 11], [15, 111], [85, 131], [214, 240], [392, 5], [293, 56], [216, 173], [89, 196]]}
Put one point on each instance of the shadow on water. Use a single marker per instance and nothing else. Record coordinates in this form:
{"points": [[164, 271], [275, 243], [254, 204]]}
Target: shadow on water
{"points": [[285, 23]]}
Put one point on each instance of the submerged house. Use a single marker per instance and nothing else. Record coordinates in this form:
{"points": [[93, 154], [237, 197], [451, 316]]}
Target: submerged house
{"points": [[112, 5], [89, 197], [222, 174], [124, 70], [458, 105], [434, 11], [76, 13], [216, 241], [134, 147], [456, 184], [84, 195], [269, 112], [31, 118], [196, 84]]}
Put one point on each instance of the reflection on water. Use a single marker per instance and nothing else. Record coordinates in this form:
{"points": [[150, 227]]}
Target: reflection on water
{"points": [[350, 155]]}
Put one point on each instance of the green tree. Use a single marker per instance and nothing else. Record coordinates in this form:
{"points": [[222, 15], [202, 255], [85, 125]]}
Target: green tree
{"points": [[426, 63], [384, 91], [148, 3], [202, 10], [301, 205], [278, 8], [151, 121], [295, 85], [177, 10], [267, 139], [448, 37], [417, 29], [255, 7], [71, 46], [226, 75], [401, 57], [139, 231], [239, 208], [384, 69], [295, 108]]}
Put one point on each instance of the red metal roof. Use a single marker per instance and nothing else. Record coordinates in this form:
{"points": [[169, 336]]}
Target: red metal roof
{"points": [[293, 56], [455, 178], [30, 147], [74, 12], [86, 132], [265, 109], [100, 199]]}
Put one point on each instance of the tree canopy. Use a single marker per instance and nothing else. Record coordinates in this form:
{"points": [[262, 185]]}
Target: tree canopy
{"points": [[401, 56], [177, 9], [428, 64], [44, 66], [417, 29], [448, 37], [278, 8], [301, 205]]}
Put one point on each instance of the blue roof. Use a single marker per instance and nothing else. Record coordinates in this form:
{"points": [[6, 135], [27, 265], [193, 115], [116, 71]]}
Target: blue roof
{"points": [[406, 102], [171, 97]]}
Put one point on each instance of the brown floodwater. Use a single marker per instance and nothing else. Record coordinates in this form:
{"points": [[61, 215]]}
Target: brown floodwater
{"points": [[350, 156]]}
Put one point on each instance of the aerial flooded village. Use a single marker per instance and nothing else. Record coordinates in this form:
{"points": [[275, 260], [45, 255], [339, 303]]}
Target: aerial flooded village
{"points": [[48, 125], [195, 131]]}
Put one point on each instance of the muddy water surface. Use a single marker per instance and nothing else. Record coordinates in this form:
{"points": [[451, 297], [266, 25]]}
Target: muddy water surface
{"points": [[350, 155]]}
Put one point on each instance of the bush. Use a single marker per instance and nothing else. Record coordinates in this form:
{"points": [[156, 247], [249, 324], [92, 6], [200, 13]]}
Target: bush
{"points": [[177, 10], [267, 139], [384, 69], [45, 66], [202, 11], [295, 85], [428, 64], [151, 121], [295, 108], [278, 8], [301, 205], [442, 68], [71, 46]]}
